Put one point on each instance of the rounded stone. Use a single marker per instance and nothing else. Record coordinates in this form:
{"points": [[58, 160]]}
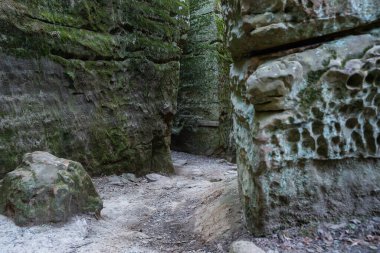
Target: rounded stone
{"points": [[245, 247], [46, 189]]}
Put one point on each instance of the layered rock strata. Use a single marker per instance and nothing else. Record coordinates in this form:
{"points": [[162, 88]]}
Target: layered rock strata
{"points": [[203, 122], [306, 118], [253, 26], [93, 81]]}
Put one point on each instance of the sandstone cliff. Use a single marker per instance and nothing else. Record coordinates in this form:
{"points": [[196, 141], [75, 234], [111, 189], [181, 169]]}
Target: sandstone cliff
{"points": [[93, 80], [306, 100], [203, 123]]}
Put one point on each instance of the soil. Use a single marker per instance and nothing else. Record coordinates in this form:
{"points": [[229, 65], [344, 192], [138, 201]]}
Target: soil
{"points": [[195, 210]]}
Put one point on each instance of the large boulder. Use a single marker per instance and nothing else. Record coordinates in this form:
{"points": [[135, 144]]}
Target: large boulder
{"points": [[45, 188], [306, 115], [94, 81]]}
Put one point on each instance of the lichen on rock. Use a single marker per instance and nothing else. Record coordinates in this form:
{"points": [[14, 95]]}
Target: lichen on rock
{"points": [[203, 122], [45, 189], [93, 81], [305, 114]]}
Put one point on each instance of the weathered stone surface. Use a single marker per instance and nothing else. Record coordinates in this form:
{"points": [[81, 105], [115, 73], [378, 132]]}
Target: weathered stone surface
{"points": [[203, 122], [258, 25], [45, 189], [308, 133], [245, 247], [93, 81]]}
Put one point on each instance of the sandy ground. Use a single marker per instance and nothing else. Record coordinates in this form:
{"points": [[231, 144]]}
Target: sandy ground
{"points": [[196, 210]]}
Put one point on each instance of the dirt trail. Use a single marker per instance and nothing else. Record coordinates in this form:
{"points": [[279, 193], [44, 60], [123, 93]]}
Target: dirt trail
{"points": [[196, 210]]}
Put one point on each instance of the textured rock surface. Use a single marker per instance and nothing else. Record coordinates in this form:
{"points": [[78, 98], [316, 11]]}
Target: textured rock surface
{"points": [[93, 81], [258, 25], [45, 189], [245, 247], [306, 118], [203, 123], [304, 126]]}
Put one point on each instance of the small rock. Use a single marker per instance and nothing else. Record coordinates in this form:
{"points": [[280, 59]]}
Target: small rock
{"points": [[153, 177], [233, 168], [230, 172], [282, 237], [232, 164], [216, 179], [338, 226], [130, 177], [355, 221], [115, 180], [325, 235], [245, 247], [179, 163]]}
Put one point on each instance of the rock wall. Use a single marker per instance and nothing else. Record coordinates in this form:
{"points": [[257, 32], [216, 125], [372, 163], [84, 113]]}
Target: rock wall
{"points": [[203, 122], [93, 80], [253, 26], [306, 99]]}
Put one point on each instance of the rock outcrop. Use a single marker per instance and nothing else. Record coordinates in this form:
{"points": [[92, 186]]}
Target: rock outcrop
{"points": [[306, 118], [203, 122], [253, 26], [93, 81], [45, 189]]}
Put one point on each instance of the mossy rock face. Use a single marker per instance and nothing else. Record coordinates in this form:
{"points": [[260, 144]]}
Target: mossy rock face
{"points": [[45, 189], [93, 81], [203, 122]]}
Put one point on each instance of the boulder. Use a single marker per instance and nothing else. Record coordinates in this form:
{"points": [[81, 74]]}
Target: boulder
{"points": [[45, 189]]}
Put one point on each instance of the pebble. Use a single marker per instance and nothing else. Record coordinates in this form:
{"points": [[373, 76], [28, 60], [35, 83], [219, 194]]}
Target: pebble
{"points": [[216, 179], [115, 180], [179, 163], [130, 177], [154, 177]]}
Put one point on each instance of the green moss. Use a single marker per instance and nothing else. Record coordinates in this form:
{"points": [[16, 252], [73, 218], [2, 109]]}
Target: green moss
{"points": [[204, 89], [313, 91], [309, 95], [113, 59]]}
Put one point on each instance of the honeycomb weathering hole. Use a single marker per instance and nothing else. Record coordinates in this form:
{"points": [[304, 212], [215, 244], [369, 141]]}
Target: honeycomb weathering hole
{"points": [[373, 77], [355, 81]]}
